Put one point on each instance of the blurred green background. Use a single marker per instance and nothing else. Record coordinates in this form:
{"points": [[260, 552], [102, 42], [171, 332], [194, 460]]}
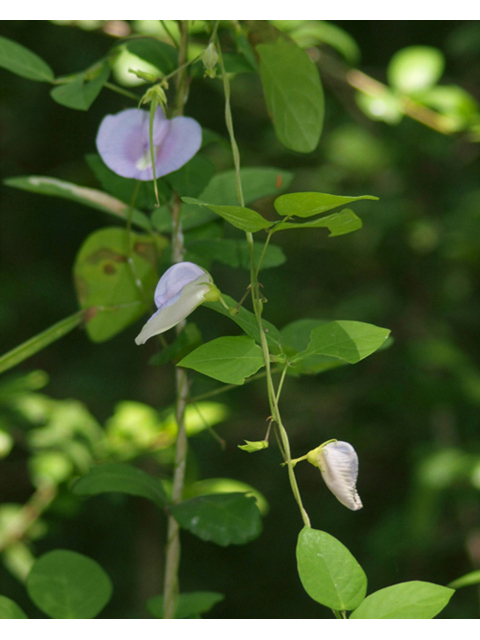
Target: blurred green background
{"points": [[411, 411]]}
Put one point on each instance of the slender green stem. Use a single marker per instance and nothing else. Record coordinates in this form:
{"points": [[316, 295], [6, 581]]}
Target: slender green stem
{"points": [[257, 305], [169, 33], [270, 233], [121, 91]]}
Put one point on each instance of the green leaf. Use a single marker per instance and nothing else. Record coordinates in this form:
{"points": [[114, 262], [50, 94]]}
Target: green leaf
{"points": [[349, 340], [40, 341], [415, 69], [252, 447], [157, 53], [84, 195], [189, 605], [408, 600], [64, 584], [328, 571], [106, 280], [307, 204], [293, 94], [193, 177], [228, 359], [121, 478], [338, 224], [223, 518], [240, 217], [236, 253], [257, 183], [248, 322], [295, 338], [125, 188], [9, 610], [81, 91], [19, 60], [225, 485], [465, 581]]}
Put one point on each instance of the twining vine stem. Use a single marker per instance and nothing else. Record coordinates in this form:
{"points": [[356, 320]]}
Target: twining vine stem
{"points": [[273, 396]]}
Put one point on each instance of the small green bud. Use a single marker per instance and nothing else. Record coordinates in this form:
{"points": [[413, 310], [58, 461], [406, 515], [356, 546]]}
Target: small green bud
{"points": [[213, 294], [251, 447], [210, 59], [143, 75]]}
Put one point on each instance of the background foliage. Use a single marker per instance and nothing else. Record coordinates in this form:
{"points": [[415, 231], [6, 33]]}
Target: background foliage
{"points": [[411, 411]]}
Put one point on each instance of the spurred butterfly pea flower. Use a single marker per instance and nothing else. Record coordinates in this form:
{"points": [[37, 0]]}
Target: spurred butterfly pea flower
{"points": [[338, 462], [180, 290], [123, 142]]}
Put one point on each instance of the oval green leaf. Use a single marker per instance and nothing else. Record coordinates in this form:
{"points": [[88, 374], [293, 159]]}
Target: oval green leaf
{"points": [[328, 571], [293, 93], [106, 280], [9, 610], [349, 340], [228, 359], [307, 204], [407, 600], [64, 584], [121, 478], [338, 224], [223, 518], [19, 60], [239, 217], [189, 605]]}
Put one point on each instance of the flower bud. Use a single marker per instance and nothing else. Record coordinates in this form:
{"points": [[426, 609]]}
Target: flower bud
{"points": [[210, 59], [338, 463]]}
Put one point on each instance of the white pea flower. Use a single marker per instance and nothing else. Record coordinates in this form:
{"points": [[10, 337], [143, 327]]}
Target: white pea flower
{"points": [[338, 462], [180, 290]]}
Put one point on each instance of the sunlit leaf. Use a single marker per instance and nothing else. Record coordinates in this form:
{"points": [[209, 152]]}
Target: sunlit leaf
{"points": [[328, 571], [239, 217], [408, 600], [116, 286], [415, 69], [305, 205], [349, 340], [228, 359]]}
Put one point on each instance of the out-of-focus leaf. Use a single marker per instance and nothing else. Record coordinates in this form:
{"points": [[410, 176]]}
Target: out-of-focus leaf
{"points": [[107, 279], [228, 359], [408, 600], [293, 94], [193, 177], [467, 580], [385, 107], [223, 518], [81, 90], [121, 478], [189, 605], [84, 195], [40, 341], [157, 53], [64, 584], [19, 60], [10, 610], [415, 69]]}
